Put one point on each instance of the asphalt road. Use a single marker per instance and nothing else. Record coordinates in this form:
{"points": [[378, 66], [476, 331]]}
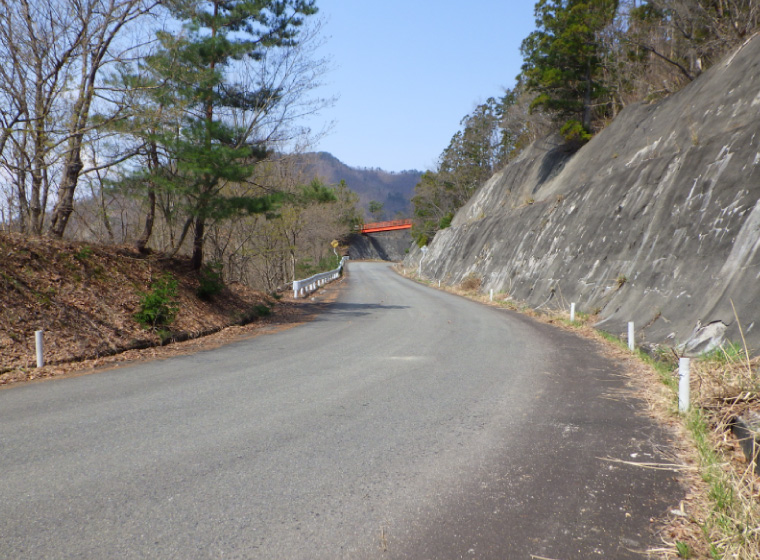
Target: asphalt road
{"points": [[402, 423]]}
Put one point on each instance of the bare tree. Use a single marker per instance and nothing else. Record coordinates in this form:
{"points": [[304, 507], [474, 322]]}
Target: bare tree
{"points": [[284, 80], [99, 23], [56, 51], [688, 35]]}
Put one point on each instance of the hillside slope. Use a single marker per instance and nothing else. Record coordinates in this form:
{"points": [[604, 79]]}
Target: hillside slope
{"points": [[394, 190], [656, 220], [85, 298]]}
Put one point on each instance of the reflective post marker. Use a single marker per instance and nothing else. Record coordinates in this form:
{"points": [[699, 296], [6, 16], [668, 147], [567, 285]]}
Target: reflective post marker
{"points": [[40, 350], [683, 384]]}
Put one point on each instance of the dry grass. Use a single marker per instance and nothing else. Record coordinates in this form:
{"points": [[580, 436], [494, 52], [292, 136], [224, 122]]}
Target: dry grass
{"points": [[470, 283], [720, 514], [725, 385], [85, 298]]}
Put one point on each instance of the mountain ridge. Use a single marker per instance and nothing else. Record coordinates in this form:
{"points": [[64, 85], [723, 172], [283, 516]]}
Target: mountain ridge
{"points": [[393, 189]]}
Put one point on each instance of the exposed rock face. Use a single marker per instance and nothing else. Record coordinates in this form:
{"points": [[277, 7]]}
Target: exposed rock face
{"points": [[656, 220], [384, 245]]}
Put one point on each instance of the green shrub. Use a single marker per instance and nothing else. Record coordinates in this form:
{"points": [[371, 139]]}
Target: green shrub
{"points": [[210, 281], [446, 221], [255, 312], [306, 267], [728, 353], [262, 310], [83, 254], [159, 305], [573, 131]]}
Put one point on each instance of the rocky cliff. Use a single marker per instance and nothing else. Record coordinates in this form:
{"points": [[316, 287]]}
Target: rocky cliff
{"points": [[656, 220], [385, 245]]}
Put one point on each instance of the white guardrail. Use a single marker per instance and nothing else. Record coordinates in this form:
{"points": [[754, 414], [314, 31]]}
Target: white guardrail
{"points": [[304, 287]]}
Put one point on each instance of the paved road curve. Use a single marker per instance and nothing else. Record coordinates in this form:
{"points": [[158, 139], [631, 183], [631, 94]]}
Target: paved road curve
{"points": [[402, 423]]}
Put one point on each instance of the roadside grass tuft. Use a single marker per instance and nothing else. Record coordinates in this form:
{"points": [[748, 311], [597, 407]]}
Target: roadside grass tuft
{"points": [[726, 385], [262, 310], [255, 312], [84, 253]]}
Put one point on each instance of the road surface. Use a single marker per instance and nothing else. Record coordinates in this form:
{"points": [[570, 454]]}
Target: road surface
{"points": [[403, 422]]}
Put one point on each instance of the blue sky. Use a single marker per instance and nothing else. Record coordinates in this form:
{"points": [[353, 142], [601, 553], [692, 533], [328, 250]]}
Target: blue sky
{"points": [[407, 71]]}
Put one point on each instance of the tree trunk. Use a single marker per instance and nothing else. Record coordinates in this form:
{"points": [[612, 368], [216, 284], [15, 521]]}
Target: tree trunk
{"points": [[196, 261], [587, 101], [23, 204], [150, 218], [105, 217], [65, 205], [142, 241], [35, 207]]}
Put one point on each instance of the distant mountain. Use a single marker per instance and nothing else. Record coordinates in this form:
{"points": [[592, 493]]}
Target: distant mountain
{"points": [[393, 189]]}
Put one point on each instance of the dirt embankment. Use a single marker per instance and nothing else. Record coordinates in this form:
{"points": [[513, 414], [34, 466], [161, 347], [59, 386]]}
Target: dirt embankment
{"points": [[84, 297]]}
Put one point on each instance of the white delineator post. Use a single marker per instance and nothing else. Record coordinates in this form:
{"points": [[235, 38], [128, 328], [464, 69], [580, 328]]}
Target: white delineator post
{"points": [[492, 295], [38, 342], [572, 312], [630, 336], [683, 384]]}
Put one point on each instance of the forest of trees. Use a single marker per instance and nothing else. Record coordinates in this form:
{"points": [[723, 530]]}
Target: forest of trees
{"points": [[167, 124], [585, 61], [163, 124]]}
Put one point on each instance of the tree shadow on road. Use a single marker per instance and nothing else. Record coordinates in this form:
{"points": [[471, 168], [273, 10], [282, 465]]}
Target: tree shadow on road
{"points": [[351, 309]]}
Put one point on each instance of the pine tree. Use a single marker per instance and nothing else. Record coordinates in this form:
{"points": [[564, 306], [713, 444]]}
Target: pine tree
{"points": [[563, 60], [471, 157], [194, 70]]}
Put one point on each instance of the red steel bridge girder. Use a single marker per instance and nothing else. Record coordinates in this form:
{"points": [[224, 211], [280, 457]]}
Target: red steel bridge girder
{"points": [[386, 226]]}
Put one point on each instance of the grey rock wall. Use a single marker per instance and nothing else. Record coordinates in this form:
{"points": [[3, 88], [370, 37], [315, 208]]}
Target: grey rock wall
{"points": [[384, 245], [656, 220]]}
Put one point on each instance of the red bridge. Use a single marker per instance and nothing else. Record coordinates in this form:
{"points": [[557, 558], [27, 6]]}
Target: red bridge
{"points": [[386, 226]]}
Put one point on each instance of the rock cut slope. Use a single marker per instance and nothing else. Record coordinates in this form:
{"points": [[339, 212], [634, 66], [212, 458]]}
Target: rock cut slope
{"points": [[656, 220]]}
